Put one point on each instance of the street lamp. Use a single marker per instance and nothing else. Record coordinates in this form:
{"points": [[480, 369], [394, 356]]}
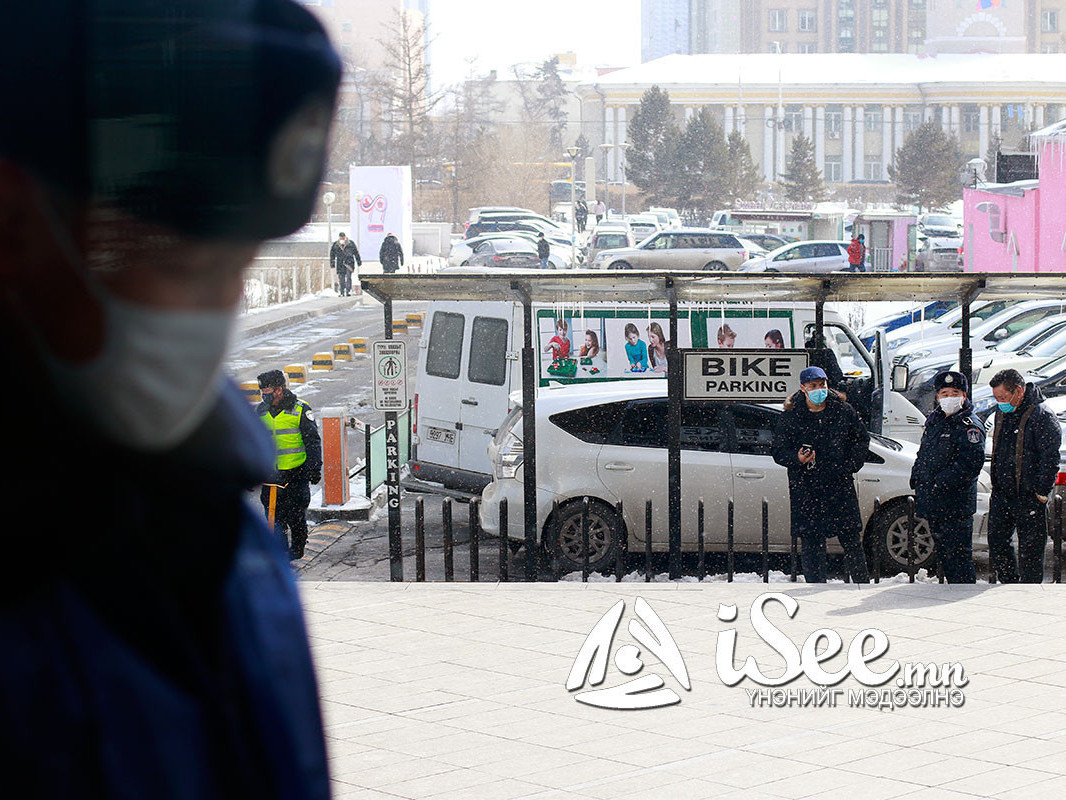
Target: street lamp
{"points": [[573, 152], [622, 167], [606, 148]]}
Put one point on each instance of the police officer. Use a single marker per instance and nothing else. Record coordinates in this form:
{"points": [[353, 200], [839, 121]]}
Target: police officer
{"points": [[944, 475], [1025, 463], [823, 443], [298, 450]]}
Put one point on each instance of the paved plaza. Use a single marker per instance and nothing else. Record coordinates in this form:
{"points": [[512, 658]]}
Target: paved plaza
{"points": [[459, 691]]}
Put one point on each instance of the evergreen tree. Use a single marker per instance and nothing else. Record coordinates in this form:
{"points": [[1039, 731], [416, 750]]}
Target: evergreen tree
{"points": [[544, 100], [653, 138], [926, 169], [584, 151], [741, 178], [701, 163], [803, 181]]}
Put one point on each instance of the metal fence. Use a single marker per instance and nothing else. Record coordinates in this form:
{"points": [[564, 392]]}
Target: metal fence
{"points": [[881, 259], [272, 280]]}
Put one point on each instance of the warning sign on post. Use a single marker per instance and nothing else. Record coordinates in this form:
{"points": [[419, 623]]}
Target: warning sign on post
{"points": [[390, 375], [763, 376]]}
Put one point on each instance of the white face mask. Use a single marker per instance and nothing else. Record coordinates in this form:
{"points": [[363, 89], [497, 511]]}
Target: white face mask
{"points": [[951, 405], [158, 374]]}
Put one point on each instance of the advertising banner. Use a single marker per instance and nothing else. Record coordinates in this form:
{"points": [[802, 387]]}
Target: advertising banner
{"points": [[383, 207]]}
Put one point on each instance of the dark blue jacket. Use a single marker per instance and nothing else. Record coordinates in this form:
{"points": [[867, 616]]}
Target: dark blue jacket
{"points": [[823, 496], [1041, 436], [157, 647], [944, 475]]}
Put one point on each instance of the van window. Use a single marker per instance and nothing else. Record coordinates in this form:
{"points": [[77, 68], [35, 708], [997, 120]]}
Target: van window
{"points": [[445, 345], [488, 351]]}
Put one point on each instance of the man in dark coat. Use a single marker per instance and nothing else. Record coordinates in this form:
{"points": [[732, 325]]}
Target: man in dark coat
{"points": [[944, 475], [544, 250], [391, 254], [823, 444], [343, 257], [581, 215], [162, 652], [1025, 463]]}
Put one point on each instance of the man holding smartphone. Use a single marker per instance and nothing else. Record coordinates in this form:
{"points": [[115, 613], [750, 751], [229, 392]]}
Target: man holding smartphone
{"points": [[823, 443]]}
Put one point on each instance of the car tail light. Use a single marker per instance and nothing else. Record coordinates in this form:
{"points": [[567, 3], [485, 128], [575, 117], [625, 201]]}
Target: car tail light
{"points": [[414, 417], [1060, 479]]}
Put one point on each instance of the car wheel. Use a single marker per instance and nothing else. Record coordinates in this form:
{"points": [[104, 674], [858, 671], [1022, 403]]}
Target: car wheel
{"points": [[620, 265], [888, 540], [606, 534], [716, 266], [771, 269]]}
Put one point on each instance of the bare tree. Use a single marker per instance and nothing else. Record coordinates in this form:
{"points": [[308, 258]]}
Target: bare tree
{"points": [[467, 127]]}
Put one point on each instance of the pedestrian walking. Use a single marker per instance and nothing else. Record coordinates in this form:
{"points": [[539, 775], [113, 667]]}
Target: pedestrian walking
{"points": [[857, 254], [944, 475], [581, 215], [1025, 463], [823, 443], [162, 651], [543, 251], [600, 209], [298, 459], [391, 254], [343, 257]]}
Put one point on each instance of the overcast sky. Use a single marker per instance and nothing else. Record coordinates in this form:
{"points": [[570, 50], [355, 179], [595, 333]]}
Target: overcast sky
{"points": [[498, 33]]}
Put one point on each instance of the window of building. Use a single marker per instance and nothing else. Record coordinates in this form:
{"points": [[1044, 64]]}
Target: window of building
{"points": [[971, 119], [807, 47], [834, 123], [778, 19], [846, 40], [1049, 21], [872, 168], [1049, 48], [912, 120], [808, 20], [777, 47], [834, 169], [872, 118], [794, 119]]}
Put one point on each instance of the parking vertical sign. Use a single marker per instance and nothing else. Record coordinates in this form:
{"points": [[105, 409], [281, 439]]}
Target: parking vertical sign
{"points": [[390, 375]]}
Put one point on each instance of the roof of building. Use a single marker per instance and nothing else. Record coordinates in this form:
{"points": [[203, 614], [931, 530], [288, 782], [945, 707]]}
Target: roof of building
{"points": [[752, 69]]}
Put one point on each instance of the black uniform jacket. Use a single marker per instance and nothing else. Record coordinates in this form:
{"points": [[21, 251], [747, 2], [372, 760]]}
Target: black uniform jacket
{"points": [[823, 495], [1034, 467], [944, 476]]}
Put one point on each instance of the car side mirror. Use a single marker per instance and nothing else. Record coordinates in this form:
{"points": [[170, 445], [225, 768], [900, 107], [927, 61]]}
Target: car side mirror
{"points": [[901, 375], [1001, 334]]}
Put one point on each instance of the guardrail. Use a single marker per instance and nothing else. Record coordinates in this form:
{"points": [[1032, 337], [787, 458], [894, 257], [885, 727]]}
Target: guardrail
{"points": [[272, 280]]}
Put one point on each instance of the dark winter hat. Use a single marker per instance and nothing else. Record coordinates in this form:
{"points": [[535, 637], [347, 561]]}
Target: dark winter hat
{"points": [[272, 378], [207, 117], [950, 379], [812, 374], [862, 237]]}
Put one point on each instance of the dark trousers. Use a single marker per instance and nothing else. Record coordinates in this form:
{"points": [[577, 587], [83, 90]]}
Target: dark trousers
{"points": [[856, 267], [290, 512], [344, 278], [954, 548], [1027, 515], [813, 555]]}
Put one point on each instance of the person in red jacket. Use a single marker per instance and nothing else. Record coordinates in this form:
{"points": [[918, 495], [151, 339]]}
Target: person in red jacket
{"points": [[857, 254]]}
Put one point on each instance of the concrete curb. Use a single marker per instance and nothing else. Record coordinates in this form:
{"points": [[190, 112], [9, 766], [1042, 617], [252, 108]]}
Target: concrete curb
{"points": [[254, 327]]}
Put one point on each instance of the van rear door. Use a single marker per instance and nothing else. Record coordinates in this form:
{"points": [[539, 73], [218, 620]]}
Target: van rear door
{"points": [[485, 384], [438, 386]]}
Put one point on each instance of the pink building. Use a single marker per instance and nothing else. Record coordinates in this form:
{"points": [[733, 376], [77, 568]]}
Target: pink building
{"points": [[1021, 227]]}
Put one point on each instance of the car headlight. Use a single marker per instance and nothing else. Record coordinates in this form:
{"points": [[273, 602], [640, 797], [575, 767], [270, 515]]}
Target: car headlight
{"points": [[982, 407], [896, 344], [917, 356]]}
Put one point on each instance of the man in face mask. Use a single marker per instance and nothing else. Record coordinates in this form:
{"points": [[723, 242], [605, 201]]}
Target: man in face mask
{"points": [[1025, 463], [161, 653], [944, 475], [823, 443]]}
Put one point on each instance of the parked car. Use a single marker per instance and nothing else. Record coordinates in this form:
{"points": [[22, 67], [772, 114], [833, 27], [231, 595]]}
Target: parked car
{"points": [[754, 249], [475, 213], [1024, 351], [938, 254], [927, 312], [461, 251], [608, 236], [939, 225], [673, 219], [492, 224], [682, 249], [511, 254], [643, 225], [607, 442], [1050, 377], [768, 241], [947, 324], [813, 256]]}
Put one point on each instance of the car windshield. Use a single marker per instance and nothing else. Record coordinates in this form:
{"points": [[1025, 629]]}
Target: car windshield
{"points": [[608, 240], [1052, 367], [984, 312], [1050, 346], [939, 222]]}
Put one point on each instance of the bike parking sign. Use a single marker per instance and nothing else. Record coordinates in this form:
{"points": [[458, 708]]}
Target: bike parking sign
{"points": [[766, 375], [390, 375]]}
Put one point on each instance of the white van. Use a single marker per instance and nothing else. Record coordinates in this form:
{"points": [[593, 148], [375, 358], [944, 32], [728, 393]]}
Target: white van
{"points": [[469, 363]]}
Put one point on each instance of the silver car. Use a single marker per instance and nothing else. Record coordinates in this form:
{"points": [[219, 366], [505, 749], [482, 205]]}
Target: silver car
{"points": [[682, 249], [938, 254]]}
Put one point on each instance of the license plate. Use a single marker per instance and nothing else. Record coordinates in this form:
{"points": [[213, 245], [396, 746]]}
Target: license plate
{"points": [[442, 435]]}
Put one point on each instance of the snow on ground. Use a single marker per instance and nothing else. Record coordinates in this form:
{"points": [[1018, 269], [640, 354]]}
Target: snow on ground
{"points": [[776, 576]]}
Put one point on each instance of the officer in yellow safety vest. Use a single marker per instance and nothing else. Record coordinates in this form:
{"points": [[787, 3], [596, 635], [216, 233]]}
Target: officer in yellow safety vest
{"points": [[298, 451]]}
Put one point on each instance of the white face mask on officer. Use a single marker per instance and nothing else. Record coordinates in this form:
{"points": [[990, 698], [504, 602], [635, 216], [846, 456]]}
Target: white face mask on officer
{"points": [[158, 373], [952, 404]]}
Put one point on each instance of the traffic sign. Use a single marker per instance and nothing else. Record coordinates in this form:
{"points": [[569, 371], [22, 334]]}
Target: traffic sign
{"points": [[390, 375]]}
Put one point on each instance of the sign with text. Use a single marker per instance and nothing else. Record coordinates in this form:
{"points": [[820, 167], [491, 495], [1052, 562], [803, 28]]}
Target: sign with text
{"points": [[761, 376], [390, 375]]}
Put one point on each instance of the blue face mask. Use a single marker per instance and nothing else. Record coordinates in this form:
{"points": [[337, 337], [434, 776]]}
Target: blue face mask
{"points": [[818, 396], [1007, 408]]}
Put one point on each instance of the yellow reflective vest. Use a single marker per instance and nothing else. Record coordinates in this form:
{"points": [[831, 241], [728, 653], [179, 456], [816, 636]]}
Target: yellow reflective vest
{"points": [[288, 441]]}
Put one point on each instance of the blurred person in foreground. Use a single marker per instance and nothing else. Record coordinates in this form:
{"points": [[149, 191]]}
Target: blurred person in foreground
{"points": [[160, 651]]}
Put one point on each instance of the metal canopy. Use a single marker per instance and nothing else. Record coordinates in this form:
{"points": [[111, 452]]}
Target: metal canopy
{"points": [[701, 287]]}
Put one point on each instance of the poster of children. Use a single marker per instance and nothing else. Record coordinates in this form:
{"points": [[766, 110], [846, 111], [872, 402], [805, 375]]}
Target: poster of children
{"points": [[638, 345], [749, 332], [572, 347]]}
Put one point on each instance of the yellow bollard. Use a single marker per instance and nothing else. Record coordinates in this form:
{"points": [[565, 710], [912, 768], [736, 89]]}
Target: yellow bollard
{"points": [[415, 320], [342, 352], [251, 391], [296, 373], [358, 345], [322, 361], [399, 326], [273, 503]]}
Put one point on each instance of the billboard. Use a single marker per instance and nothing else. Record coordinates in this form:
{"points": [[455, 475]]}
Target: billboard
{"points": [[383, 207]]}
